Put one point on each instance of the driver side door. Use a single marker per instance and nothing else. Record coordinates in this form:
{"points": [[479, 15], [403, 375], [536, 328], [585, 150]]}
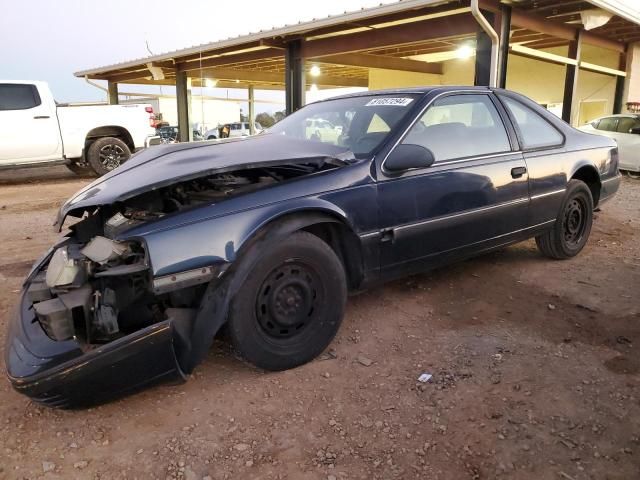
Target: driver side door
{"points": [[473, 196]]}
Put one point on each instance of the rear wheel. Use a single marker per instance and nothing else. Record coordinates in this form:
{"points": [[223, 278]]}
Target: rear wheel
{"points": [[573, 224], [106, 154], [291, 306]]}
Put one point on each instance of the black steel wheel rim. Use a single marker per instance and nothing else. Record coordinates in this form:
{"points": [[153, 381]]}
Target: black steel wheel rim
{"points": [[288, 300], [112, 156], [575, 222]]}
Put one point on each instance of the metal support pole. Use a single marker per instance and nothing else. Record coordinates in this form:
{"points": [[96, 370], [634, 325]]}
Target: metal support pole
{"points": [[505, 34], [484, 47], [294, 76], [571, 81], [252, 112], [618, 98], [183, 100], [112, 92]]}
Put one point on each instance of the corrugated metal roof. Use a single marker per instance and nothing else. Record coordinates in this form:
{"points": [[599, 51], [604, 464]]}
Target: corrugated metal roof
{"points": [[301, 27], [626, 9]]}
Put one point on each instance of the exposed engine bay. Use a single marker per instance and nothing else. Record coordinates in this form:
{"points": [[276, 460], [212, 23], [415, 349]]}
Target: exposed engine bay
{"points": [[97, 288]]}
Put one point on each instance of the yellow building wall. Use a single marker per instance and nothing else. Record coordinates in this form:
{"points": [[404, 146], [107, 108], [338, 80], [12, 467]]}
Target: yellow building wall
{"points": [[541, 81]]}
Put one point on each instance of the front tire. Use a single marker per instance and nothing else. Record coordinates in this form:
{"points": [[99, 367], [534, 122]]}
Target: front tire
{"points": [[291, 305], [106, 154], [573, 225]]}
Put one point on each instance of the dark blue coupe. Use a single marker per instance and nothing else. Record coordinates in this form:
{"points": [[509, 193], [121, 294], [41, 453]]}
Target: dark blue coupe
{"points": [[268, 234]]}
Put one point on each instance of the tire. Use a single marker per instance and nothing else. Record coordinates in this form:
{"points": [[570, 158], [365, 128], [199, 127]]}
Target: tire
{"points": [[573, 225], [291, 305], [80, 170], [106, 154]]}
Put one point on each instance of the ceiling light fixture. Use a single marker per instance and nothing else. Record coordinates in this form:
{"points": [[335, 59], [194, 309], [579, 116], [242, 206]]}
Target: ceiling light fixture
{"points": [[465, 51], [315, 71]]}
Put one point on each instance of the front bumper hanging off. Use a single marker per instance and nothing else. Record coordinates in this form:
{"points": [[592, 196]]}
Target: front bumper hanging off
{"points": [[62, 374]]}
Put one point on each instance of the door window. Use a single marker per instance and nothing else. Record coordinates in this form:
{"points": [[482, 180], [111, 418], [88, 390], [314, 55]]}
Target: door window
{"points": [[535, 131], [459, 126], [608, 124], [18, 97], [625, 124]]}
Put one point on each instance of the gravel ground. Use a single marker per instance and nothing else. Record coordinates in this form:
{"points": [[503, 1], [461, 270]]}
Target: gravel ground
{"points": [[536, 375]]}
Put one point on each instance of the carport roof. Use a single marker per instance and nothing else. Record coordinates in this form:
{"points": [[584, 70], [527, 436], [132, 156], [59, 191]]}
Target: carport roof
{"points": [[383, 37]]}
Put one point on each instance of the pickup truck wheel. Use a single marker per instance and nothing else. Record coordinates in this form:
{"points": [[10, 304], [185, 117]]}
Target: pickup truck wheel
{"points": [[107, 153], [291, 306], [573, 224]]}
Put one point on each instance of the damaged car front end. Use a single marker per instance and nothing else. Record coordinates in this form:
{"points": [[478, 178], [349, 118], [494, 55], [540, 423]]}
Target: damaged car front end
{"points": [[136, 290]]}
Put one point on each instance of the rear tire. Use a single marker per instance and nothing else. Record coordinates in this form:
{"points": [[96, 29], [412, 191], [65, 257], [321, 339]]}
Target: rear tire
{"points": [[573, 225], [106, 154], [291, 305]]}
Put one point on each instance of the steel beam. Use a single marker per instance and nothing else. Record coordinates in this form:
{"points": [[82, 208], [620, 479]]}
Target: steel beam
{"points": [[454, 25], [503, 56], [379, 61], [112, 89], [252, 111], [571, 80], [483, 55], [183, 101], [294, 76]]}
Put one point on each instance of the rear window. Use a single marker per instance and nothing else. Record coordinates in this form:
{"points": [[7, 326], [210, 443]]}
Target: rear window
{"points": [[535, 131], [18, 97]]}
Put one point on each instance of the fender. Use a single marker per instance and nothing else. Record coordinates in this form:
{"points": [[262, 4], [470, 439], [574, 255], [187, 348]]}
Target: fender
{"points": [[226, 235]]}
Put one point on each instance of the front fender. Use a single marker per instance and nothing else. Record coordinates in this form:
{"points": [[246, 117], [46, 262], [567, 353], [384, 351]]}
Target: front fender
{"points": [[220, 239]]}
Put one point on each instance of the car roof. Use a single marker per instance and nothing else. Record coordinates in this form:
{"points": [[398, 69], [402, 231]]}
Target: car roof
{"points": [[619, 115], [411, 90]]}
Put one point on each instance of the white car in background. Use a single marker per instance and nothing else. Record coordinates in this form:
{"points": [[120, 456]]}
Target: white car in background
{"points": [[236, 129], [624, 129]]}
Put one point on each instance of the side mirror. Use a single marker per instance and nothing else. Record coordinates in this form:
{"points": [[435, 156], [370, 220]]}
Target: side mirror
{"points": [[408, 156], [635, 130]]}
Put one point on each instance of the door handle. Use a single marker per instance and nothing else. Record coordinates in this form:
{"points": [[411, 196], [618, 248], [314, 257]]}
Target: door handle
{"points": [[517, 172], [40, 117]]}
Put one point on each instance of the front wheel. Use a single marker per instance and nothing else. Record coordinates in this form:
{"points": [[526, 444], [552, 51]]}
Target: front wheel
{"points": [[106, 154], [291, 305], [573, 224]]}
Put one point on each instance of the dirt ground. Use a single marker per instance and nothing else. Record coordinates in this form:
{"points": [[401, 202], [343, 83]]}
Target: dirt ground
{"points": [[535, 363]]}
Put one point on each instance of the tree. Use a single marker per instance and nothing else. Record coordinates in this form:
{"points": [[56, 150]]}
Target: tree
{"points": [[265, 119]]}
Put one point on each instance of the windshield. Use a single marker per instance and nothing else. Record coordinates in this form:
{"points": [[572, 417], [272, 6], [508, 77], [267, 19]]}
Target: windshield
{"points": [[360, 124]]}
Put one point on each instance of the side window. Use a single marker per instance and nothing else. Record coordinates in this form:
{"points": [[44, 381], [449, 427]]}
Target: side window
{"points": [[535, 131], [18, 97], [625, 124], [459, 126], [608, 124]]}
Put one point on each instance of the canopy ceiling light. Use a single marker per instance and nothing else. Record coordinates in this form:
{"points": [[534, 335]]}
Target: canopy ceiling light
{"points": [[465, 51], [315, 71]]}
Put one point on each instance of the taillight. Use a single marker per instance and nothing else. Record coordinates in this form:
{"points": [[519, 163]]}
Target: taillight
{"points": [[152, 117], [148, 109]]}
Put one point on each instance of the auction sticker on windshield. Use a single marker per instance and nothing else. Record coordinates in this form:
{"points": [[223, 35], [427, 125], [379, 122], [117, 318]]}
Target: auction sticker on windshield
{"points": [[398, 102]]}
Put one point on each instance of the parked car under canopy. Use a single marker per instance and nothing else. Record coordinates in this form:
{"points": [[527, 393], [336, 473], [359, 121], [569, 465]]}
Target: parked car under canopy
{"points": [[268, 234]]}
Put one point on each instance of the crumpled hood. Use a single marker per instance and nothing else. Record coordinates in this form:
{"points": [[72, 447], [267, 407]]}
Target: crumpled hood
{"points": [[163, 165]]}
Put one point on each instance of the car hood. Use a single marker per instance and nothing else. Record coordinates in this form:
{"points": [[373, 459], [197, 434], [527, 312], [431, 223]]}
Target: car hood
{"points": [[163, 165]]}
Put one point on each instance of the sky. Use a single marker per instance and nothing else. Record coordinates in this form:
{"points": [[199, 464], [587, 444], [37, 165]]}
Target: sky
{"points": [[51, 39]]}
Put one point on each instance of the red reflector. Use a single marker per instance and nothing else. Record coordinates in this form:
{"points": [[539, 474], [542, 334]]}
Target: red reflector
{"points": [[148, 109]]}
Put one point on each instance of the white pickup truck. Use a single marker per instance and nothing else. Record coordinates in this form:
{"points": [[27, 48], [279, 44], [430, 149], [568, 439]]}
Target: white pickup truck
{"points": [[35, 130]]}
